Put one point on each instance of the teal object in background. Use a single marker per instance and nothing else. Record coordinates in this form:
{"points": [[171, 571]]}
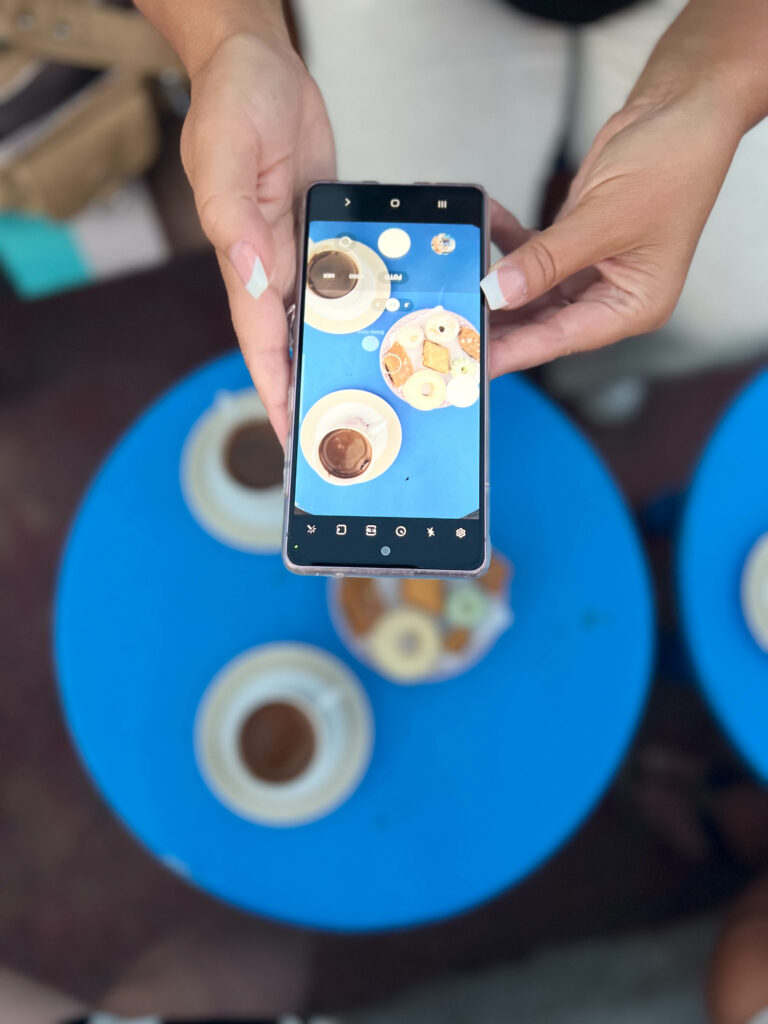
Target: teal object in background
{"points": [[40, 256], [473, 782]]}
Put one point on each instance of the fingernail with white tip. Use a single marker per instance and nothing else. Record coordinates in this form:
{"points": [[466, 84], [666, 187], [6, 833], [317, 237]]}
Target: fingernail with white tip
{"points": [[504, 286], [246, 261]]}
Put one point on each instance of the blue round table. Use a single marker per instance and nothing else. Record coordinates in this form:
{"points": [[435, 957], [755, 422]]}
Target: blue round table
{"points": [[726, 511], [472, 783]]}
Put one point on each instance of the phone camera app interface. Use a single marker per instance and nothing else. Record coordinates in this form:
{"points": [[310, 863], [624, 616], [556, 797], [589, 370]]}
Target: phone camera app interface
{"points": [[390, 379]]}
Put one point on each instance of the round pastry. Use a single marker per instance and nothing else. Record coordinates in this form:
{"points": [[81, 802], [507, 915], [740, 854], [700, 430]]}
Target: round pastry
{"points": [[405, 644], [424, 390], [463, 366], [461, 391], [466, 606], [410, 336], [442, 327]]}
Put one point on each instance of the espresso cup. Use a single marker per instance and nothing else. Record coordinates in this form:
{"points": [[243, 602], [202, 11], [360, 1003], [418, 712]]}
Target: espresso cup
{"points": [[271, 740], [348, 445], [282, 739], [332, 274], [282, 734], [252, 455], [231, 473]]}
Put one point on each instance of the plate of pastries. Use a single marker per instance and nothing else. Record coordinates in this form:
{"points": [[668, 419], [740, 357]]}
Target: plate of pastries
{"points": [[421, 630], [430, 358]]}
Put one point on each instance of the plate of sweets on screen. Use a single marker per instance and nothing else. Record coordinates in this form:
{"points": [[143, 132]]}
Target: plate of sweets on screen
{"points": [[430, 358], [421, 630]]}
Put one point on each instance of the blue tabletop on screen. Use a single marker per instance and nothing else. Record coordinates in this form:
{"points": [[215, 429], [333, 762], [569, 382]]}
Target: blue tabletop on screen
{"points": [[417, 484]]}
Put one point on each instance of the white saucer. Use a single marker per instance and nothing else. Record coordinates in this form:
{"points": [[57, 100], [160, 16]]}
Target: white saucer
{"points": [[754, 591], [355, 403], [364, 304], [311, 677], [243, 517]]}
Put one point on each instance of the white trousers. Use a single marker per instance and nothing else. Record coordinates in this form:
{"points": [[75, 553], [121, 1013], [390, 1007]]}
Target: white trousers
{"points": [[474, 91]]}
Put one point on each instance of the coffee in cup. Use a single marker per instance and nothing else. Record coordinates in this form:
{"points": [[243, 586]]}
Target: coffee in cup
{"points": [[332, 274], [253, 456], [277, 742], [345, 452]]}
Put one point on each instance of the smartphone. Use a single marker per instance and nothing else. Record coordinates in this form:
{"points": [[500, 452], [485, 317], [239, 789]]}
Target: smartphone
{"points": [[387, 456]]}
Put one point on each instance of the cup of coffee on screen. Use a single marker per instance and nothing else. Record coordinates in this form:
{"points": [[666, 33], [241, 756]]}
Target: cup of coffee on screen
{"points": [[347, 448], [332, 274]]}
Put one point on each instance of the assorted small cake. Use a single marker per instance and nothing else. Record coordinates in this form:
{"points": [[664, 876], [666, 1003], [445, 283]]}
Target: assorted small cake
{"points": [[436, 357], [425, 390], [398, 365], [441, 326], [426, 594], [463, 366], [431, 359], [410, 336], [361, 603], [422, 630], [405, 644], [462, 391], [469, 340]]}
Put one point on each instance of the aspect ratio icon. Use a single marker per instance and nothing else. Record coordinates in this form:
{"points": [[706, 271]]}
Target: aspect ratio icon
{"points": [[370, 531]]}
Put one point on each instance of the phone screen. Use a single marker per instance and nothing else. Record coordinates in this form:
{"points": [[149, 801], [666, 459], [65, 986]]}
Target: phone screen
{"points": [[389, 448]]}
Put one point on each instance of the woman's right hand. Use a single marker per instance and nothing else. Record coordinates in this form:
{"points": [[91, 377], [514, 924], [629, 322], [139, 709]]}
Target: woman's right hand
{"points": [[257, 133]]}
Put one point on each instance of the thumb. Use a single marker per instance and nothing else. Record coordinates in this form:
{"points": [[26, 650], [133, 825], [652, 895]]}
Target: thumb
{"points": [[238, 231], [223, 170], [579, 240]]}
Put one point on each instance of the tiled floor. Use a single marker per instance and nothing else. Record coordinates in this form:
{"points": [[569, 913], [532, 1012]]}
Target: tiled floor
{"points": [[78, 898]]}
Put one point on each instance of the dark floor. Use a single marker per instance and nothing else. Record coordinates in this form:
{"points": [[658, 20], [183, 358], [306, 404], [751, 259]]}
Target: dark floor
{"points": [[78, 898]]}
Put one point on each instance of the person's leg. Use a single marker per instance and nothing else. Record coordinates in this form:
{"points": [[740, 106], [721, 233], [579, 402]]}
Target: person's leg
{"points": [[722, 316], [738, 977], [440, 90]]}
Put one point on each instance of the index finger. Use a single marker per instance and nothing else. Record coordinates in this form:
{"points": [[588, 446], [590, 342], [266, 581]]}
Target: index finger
{"points": [[603, 314]]}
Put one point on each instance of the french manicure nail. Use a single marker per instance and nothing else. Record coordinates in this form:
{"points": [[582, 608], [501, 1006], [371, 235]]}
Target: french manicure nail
{"points": [[246, 261], [505, 286]]}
